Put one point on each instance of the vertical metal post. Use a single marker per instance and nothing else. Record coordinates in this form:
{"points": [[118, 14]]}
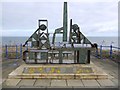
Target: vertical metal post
{"points": [[16, 52], [88, 56], [75, 57], [60, 56], [70, 30], [65, 22], [110, 51], [6, 52], [35, 57], [100, 51], [53, 40], [78, 57], [47, 58]]}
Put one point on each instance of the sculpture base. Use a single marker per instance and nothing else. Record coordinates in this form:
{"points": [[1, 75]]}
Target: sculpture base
{"points": [[58, 71]]}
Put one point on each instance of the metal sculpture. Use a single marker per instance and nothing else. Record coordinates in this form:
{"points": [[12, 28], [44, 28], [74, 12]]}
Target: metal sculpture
{"points": [[39, 43], [62, 30], [41, 50]]}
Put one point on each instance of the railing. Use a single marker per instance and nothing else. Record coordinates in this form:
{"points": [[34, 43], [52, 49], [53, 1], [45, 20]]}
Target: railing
{"points": [[109, 51], [17, 50], [12, 51]]}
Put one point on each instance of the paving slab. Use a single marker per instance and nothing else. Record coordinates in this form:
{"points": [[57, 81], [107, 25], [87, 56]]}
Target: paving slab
{"points": [[2, 80], [106, 82], [74, 83], [27, 82], [32, 87], [58, 83], [10, 87], [88, 83], [12, 82], [42, 82], [115, 81], [59, 88], [87, 88]]}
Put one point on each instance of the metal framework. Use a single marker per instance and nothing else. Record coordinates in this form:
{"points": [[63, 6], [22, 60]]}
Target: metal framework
{"points": [[63, 29], [41, 51]]}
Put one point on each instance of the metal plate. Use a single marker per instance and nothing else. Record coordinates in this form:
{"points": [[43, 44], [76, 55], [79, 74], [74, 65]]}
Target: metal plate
{"points": [[57, 70]]}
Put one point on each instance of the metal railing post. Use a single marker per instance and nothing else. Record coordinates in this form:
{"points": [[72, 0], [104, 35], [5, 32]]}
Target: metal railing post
{"points": [[100, 51], [110, 51]]}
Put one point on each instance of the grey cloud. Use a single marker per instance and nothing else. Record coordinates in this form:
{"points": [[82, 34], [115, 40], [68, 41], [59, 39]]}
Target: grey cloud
{"points": [[89, 16]]}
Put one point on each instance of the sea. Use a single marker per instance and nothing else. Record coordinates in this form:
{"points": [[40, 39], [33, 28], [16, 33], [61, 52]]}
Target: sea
{"points": [[99, 40]]}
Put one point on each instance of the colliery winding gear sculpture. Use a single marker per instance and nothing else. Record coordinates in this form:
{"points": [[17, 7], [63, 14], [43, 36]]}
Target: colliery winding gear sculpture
{"points": [[40, 50]]}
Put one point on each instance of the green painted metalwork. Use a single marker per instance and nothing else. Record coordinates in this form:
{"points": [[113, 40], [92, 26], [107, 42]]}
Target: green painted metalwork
{"points": [[34, 44], [40, 38], [62, 30], [57, 31], [41, 49], [65, 23], [60, 56], [82, 56], [76, 36], [31, 56], [44, 55]]}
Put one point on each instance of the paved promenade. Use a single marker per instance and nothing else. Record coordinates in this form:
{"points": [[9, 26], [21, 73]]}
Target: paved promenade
{"points": [[110, 67]]}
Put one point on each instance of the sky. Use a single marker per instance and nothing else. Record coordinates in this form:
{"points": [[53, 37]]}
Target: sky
{"points": [[94, 18]]}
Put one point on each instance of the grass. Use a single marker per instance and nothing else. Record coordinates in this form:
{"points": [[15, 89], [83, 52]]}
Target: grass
{"points": [[106, 55], [11, 52], [10, 55]]}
